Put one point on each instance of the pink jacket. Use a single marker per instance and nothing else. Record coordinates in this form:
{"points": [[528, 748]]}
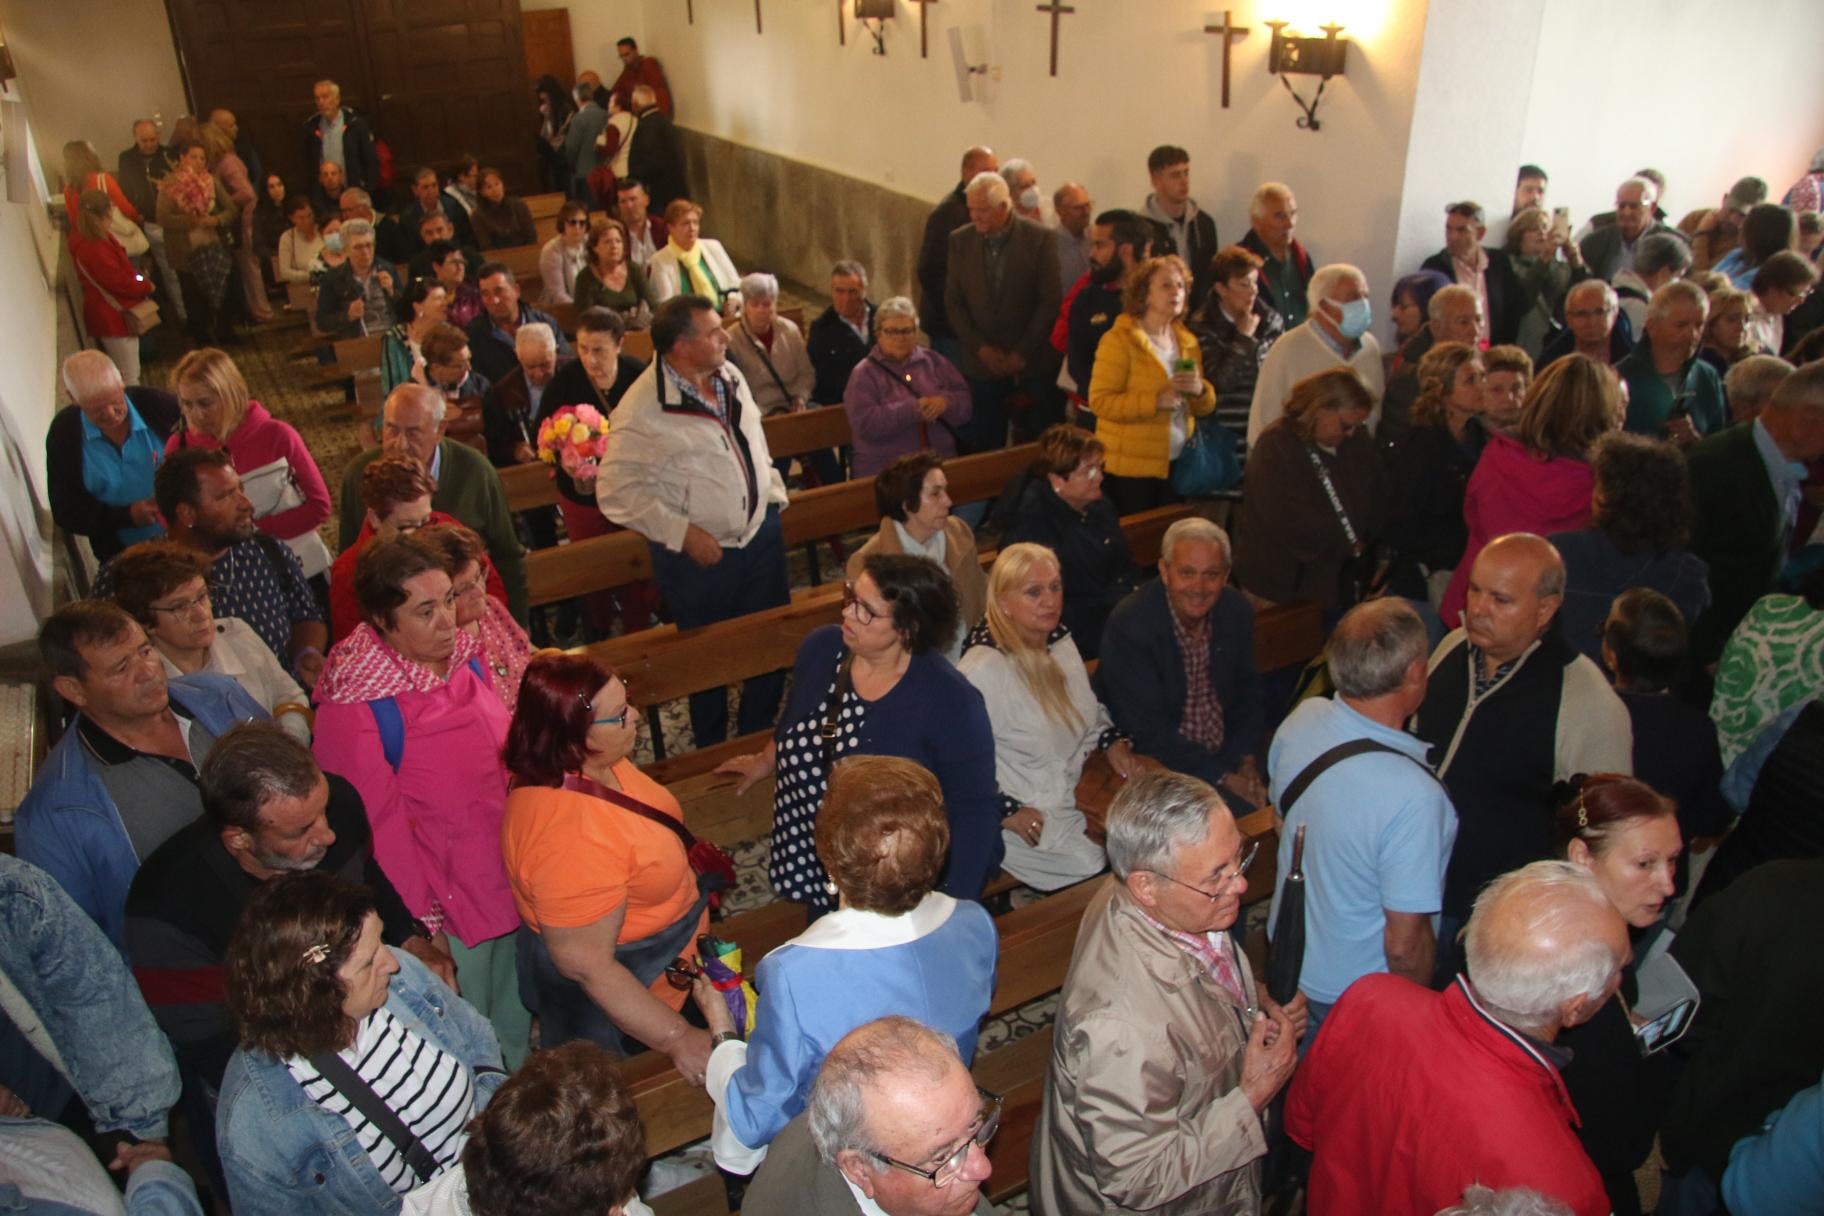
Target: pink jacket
{"points": [[436, 819], [1515, 490], [262, 440]]}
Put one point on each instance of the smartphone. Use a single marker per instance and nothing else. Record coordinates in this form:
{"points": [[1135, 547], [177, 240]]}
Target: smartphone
{"points": [[1665, 1029], [1561, 224], [1184, 365]]}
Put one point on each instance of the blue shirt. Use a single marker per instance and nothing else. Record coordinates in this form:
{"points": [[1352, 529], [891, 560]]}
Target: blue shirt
{"points": [[332, 141], [1786, 475], [1380, 830], [1734, 265], [122, 476]]}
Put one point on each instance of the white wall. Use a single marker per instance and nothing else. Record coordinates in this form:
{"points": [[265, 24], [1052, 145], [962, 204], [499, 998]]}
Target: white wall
{"points": [[91, 69], [595, 26], [1131, 76], [1717, 94]]}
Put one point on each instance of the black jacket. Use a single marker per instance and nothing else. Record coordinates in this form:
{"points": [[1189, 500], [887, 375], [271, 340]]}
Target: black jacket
{"points": [[571, 385], [1564, 342], [360, 160], [1141, 679], [338, 289], [656, 159], [1092, 554], [1782, 819], [1092, 314], [410, 244], [835, 350], [139, 177], [495, 356], [74, 509], [1427, 477], [934, 262], [1506, 302], [1301, 260]]}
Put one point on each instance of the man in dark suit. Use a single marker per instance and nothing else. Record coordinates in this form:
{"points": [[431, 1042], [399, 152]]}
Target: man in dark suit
{"points": [[429, 200], [1745, 488], [934, 251], [1609, 248], [654, 157], [919, 1120], [1489, 272], [1001, 296]]}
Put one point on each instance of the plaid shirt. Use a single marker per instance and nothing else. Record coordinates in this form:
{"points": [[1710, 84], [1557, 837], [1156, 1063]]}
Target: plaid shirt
{"points": [[1485, 682], [1202, 711], [1215, 952]]}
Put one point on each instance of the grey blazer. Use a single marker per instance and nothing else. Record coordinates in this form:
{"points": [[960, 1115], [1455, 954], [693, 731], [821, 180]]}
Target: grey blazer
{"points": [[1020, 317], [1601, 249], [794, 1181]]}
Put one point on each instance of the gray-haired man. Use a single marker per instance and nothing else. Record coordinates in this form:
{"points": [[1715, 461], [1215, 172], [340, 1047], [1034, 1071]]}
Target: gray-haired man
{"points": [[894, 1126]]}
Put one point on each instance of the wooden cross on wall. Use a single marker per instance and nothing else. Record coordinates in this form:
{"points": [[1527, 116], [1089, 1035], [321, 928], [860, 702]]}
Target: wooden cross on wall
{"points": [[1057, 9], [757, 28], [842, 28], [924, 11], [690, 10], [1228, 31]]}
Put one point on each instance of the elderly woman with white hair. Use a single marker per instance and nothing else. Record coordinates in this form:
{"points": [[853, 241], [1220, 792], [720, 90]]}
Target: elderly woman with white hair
{"points": [[356, 298], [769, 349], [903, 397], [101, 452], [1335, 334]]}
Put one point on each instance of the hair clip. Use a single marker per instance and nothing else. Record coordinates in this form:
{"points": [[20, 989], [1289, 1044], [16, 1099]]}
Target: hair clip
{"points": [[1583, 816], [316, 954]]}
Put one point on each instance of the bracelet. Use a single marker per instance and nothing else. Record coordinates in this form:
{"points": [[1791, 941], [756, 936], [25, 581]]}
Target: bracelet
{"points": [[726, 1036], [292, 707]]}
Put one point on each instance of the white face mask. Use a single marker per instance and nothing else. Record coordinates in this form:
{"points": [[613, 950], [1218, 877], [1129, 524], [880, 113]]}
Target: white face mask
{"points": [[1029, 199]]}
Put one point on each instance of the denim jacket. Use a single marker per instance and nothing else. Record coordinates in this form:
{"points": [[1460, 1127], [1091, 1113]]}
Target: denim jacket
{"points": [[69, 825], [286, 1156], [85, 1003]]}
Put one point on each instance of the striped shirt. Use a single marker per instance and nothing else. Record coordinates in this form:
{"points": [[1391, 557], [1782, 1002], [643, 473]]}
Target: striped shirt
{"points": [[425, 1086]]}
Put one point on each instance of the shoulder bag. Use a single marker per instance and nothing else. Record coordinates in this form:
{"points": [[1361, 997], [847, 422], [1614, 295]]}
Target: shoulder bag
{"points": [[139, 317]]}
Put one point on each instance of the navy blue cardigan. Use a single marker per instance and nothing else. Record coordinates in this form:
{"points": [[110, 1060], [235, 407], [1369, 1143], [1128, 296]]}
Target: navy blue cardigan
{"points": [[933, 717], [1140, 677]]}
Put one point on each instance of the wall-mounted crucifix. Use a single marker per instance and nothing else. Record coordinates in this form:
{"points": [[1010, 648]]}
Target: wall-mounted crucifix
{"points": [[842, 28], [757, 28], [1228, 31], [924, 12], [690, 10], [1057, 9]]}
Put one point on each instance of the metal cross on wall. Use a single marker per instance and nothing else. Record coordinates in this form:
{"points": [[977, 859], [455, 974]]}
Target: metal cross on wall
{"points": [[924, 12], [1228, 31], [1057, 9]]}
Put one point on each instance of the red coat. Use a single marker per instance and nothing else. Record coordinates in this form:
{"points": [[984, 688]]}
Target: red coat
{"points": [[345, 609], [1409, 1095], [110, 266]]}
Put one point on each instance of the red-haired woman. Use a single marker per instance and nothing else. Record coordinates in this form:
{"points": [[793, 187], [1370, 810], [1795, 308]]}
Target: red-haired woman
{"points": [[596, 853]]}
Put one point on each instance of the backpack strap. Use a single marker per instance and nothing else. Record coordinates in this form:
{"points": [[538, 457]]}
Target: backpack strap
{"points": [[362, 1097], [392, 729], [1330, 759]]}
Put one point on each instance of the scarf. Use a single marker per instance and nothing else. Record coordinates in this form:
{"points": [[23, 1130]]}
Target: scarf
{"points": [[193, 192], [362, 667], [695, 271]]}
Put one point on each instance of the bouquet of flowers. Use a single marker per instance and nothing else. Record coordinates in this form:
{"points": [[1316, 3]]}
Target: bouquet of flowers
{"points": [[574, 439]]}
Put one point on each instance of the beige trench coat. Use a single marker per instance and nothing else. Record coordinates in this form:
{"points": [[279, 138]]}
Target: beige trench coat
{"points": [[964, 564], [1142, 1107]]}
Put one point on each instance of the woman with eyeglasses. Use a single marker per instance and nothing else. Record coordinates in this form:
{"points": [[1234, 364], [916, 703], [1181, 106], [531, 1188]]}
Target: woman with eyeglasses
{"points": [[913, 497], [893, 946], [598, 857], [165, 587], [564, 256], [483, 616], [408, 713], [878, 684], [903, 397]]}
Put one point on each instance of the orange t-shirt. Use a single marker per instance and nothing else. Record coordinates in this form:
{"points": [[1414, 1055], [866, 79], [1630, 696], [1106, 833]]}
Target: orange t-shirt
{"points": [[573, 858]]}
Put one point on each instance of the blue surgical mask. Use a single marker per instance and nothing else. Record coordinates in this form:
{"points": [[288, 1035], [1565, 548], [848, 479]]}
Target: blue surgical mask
{"points": [[332, 242], [1357, 317]]}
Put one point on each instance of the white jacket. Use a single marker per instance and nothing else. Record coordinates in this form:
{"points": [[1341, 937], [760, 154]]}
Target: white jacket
{"points": [[670, 464], [664, 276]]}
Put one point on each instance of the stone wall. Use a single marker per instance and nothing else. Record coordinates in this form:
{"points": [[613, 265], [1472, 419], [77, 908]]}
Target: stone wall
{"points": [[796, 220]]}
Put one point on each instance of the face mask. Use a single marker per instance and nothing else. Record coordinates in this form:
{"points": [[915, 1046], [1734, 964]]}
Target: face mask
{"points": [[332, 242], [1029, 199], [1357, 317]]}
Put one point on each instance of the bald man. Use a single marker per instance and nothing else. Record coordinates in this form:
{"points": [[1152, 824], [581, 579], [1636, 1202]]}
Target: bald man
{"points": [[1511, 707], [1408, 1095], [934, 249]]}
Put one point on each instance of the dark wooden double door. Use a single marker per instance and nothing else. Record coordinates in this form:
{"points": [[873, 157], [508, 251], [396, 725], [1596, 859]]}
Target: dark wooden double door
{"points": [[436, 78]]}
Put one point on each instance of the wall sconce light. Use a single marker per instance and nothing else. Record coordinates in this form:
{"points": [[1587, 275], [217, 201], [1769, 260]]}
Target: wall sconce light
{"points": [[1321, 57], [879, 12]]}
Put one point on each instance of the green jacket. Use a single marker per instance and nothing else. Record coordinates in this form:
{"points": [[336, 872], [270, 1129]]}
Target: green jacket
{"points": [[467, 488], [1651, 401], [1735, 528]]}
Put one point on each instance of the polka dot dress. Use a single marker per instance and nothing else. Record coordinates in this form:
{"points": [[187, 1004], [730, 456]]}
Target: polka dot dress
{"points": [[802, 780]]}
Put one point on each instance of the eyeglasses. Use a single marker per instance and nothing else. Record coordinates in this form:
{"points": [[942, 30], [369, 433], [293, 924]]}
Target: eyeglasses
{"points": [[864, 615], [187, 607], [619, 719], [576, 223], [1227, 876], [1088, 472], [988, 1123], [898, 331]]}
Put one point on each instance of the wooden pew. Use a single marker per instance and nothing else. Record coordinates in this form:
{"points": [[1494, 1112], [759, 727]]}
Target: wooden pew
{"points": [[543, 206], [522, 260]]}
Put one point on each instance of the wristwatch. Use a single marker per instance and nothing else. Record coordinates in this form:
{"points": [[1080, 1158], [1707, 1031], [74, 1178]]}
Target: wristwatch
{"points": [[726, 1036]]}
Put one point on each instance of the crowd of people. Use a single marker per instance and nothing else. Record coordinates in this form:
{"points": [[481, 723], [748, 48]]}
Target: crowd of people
{"points": [[332, 860]]}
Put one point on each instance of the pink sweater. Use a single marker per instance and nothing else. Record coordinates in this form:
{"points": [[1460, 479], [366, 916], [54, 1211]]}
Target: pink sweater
{"points": [[1515, 490], [263, 440]]}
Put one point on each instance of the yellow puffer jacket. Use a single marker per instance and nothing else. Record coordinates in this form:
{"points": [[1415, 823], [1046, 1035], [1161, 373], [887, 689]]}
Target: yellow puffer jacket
{"points": [[1124, 392]]}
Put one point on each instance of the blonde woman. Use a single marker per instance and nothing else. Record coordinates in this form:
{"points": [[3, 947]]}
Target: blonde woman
{"points": [[278, 474], [1047, 721], [1725, 341], [1146, 389]]}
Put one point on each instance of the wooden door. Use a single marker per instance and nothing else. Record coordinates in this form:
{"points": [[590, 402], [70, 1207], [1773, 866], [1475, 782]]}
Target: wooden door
{"points": [[452, 79], [260, 58], [548, 50]]}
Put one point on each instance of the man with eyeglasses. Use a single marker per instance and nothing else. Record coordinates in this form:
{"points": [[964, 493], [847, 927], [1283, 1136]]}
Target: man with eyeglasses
{"points": [[895, 1126], [1610, 248], [1594, 327], [1164, 1055]]}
